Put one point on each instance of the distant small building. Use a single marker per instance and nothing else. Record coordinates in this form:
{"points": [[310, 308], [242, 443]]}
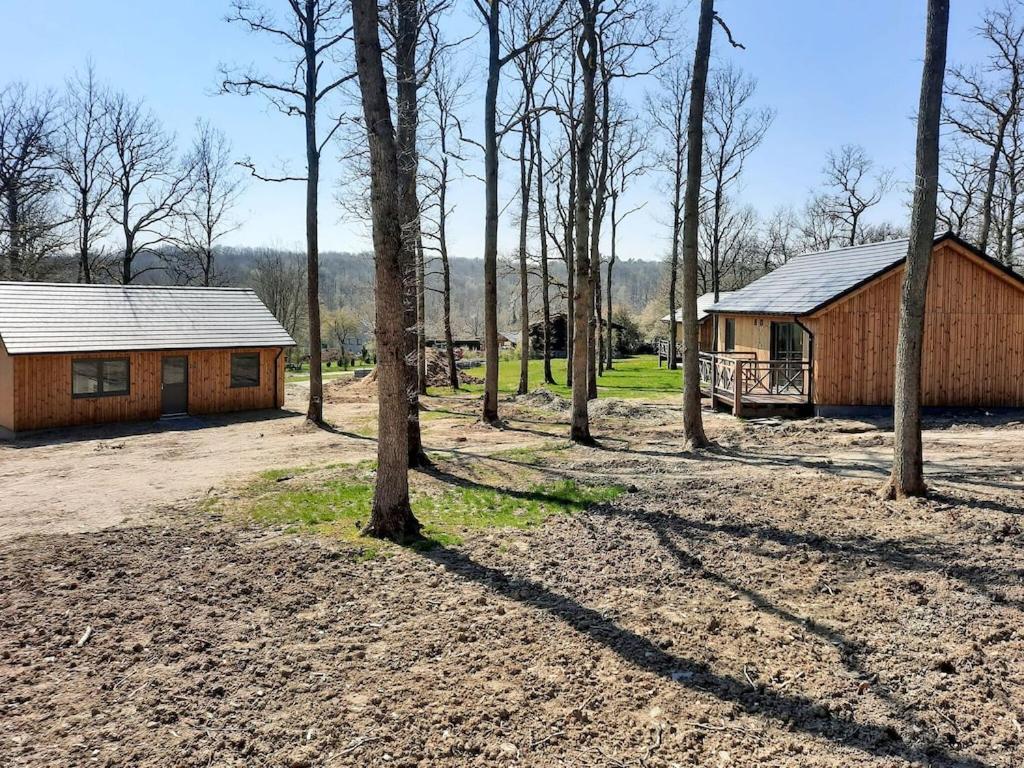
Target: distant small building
{"points": [[86, 354], [559, 334]]}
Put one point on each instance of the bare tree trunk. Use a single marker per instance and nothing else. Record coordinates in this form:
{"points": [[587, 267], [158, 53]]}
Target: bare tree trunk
{"points": [[584, 300], [407, 105], [545, 278], [490, 406], [446, 288], [421, 317], [611, 265], [315, 411], [693, 425], [391, 516], [907, 477], [525, 178], [673, 267]]}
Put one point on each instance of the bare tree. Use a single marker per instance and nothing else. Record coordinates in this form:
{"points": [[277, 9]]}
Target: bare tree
{"points": [[445, 99], [82, 155], [854, 187], [983, 101], [29, 222], [150, 185], [391, 516], [537, 151], [627, 149], [667, 109], [206, 213], [733, 129], [501, 51], [279, 279], [907, 478], [781, 238], [311, 31], [693, 424], [583, 301]]}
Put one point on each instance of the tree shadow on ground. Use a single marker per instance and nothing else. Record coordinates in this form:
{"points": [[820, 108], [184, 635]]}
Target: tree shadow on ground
{"points": [[790, 710]]}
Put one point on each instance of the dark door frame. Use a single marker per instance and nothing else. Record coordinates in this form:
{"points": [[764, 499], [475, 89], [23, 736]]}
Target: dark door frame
{"points": [[164, 411]]}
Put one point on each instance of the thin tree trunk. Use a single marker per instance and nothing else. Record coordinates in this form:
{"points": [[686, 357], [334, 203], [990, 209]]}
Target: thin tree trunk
{"points": [[611, 265], [315, 411], [907, 477], [525, 178], [693, 425], [490, 403], [584, 300], [545, 278], [391, 516], [673, 268], [991, 174], [421, 317], [446, 288]]}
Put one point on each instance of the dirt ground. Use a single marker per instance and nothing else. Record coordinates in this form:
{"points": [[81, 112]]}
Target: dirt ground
{"points": [[752, 605]]}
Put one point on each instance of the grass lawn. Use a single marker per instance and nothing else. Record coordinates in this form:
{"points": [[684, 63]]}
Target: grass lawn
{"points": [[335, 501], [637, 376], [331, 372]]}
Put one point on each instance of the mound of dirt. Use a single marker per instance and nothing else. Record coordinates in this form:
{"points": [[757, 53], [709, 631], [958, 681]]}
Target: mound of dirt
{"points": [[612, 408], [437, 371], [544, 399]]}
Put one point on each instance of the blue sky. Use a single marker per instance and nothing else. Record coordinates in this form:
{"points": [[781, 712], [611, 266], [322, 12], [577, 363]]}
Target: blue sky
{"points": [[835, 71]]}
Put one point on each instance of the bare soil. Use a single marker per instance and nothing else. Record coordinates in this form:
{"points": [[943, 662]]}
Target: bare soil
{"points": [[752, 605]]}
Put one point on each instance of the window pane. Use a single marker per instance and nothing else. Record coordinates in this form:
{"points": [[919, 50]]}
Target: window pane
{"points": [[115, 377], [85, 377], [245, 370], [174, 370]]}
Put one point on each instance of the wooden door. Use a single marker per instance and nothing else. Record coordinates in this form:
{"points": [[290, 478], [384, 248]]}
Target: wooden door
{"points": [[174, 386]]}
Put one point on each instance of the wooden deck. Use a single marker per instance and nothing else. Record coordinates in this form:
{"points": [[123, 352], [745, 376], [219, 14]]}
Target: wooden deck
{"points": [[763, 386]]}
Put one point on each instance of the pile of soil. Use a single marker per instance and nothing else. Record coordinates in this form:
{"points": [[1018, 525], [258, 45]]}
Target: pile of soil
{"points": [[612, 408], [437, 371], [543, 399]]}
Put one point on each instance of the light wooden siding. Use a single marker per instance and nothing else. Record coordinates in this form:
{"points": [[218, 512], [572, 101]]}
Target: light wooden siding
{"points": [[754, 333], [973, 347], [209, 382], [705, 334], [6, 389], [43, 388]]}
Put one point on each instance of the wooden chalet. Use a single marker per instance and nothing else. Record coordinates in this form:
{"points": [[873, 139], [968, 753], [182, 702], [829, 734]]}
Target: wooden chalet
{"points": [[819, 333], [85, 354]]}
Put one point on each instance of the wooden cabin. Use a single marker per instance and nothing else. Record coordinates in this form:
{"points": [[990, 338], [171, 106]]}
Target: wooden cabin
{"points": [[819, 333], [86, 354], [705, 327]]}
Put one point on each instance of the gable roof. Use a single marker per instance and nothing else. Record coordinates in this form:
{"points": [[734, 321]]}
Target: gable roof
{"points": [[812, 281], [37, 318], [807, 282], [704, 303]]}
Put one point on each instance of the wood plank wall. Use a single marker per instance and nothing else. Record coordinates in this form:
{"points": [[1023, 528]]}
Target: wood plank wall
{"points": [[754, 333], [705, 331], [973, 347], [6, 389], [43, 388]]}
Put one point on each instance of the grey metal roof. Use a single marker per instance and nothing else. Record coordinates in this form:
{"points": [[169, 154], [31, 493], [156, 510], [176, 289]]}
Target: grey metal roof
{"points": [[704, 303], [37, 318], [805, 283]]}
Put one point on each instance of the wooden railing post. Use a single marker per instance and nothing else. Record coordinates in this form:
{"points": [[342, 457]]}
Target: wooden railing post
{"points": [[737, 388]]}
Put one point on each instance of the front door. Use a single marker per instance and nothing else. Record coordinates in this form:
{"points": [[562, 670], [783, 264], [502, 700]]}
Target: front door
{"points": [[174, 386], [788, 353]]}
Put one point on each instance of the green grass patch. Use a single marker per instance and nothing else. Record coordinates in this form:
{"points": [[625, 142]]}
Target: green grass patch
{"points": [[530, 455], [340, 506], [632, 377]]}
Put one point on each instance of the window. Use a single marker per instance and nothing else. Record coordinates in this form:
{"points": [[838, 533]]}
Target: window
{"points": [[730, 334], [245, 370], [100, 378]]}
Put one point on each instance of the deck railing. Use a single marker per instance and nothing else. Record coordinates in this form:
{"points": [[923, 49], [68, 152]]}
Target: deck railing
{"points": [[663, 346], [740, 378]]}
